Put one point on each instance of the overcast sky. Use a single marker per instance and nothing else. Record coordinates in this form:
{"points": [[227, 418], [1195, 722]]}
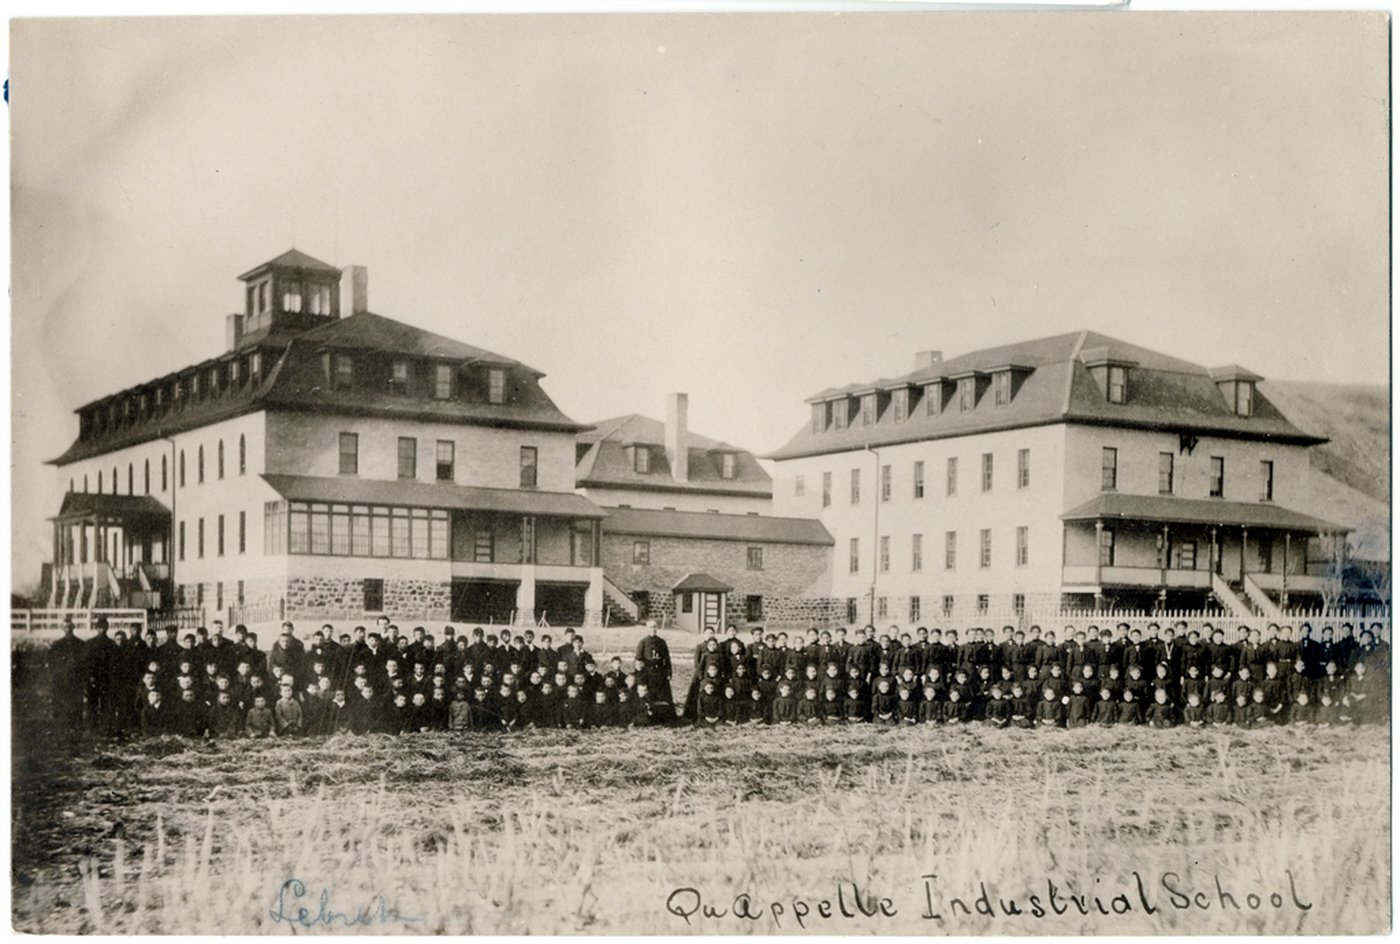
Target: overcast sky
{"points": [[747, 208]]}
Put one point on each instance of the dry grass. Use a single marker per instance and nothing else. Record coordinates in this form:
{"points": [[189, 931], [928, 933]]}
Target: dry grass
{"points": [[556, 832]]}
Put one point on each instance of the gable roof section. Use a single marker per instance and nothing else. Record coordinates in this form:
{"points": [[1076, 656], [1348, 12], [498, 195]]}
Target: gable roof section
{"points": [[292, 259], [606, 462], [757, 529], [1164, 393]]}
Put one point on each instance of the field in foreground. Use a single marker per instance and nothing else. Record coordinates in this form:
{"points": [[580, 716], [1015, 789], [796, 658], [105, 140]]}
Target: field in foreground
{"points": [[596, 832]]}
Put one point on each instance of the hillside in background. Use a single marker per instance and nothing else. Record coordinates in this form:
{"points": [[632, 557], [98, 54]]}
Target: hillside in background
{"points": [[1351, 480]]}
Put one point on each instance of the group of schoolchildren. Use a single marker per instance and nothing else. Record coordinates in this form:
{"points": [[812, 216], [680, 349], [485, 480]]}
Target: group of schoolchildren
{"points": [[1110, 676], [204, 684]]}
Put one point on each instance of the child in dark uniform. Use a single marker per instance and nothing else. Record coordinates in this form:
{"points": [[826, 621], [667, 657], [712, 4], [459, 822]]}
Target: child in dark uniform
{"points": [[1106, 710], [784, 706], [998, 708], [709, 710], [1162, 714], [929, 707], [954, 709], [1194, 714], [831, 706], [1079, 711], [809, 711], [1050, 712], [1022, 708], [1220, 711], [853, 707], [882, 706], [1129, 709]]}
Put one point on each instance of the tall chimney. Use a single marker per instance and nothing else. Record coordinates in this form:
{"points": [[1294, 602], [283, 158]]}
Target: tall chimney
{"points": [[358, 293], [925, 359], [677, 453], [233, 331]]}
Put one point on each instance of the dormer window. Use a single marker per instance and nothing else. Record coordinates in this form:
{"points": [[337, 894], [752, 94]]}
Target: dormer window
{"points": [[899, 402], [933, 399], [726, 465], [442, 381], [967, 394], [1001, 387], [291, 295], [819, 417], [234, 373], [1117, 383], [839, 414], [255, 367], [398, 378], [214, 381], [1244, 399], [496, 386], [320, 300], [867, 410], [343, 372], [641, 460]]}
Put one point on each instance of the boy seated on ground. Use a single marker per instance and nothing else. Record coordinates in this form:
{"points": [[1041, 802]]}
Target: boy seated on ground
{"points": [[709, 710], [784, 706], [259, 722], [808, 708], [1050, 713], [287, 712], [1106, 709], [1162, 714], [1194, 714]]}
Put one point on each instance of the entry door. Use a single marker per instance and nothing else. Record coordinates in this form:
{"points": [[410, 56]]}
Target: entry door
{"points": [[713, 611]]}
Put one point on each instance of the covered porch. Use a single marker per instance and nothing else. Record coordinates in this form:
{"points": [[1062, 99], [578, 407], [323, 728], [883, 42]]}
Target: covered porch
{"points": [[109, 550], [1167, 552]]}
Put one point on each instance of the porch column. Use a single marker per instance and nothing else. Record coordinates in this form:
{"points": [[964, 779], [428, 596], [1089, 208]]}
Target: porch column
{"points": [[1098, 552], [1166, 563], [1214, 554], [1244, 545], [525, 596], [527, 539], [1283, 594]]}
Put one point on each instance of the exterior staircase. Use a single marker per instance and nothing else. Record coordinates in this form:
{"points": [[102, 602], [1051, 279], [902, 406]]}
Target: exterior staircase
{"points": [[1263, 603], [1229, 597], [621, 610]]}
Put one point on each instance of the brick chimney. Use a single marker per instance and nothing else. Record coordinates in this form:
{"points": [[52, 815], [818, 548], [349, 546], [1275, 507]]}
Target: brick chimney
{"points": [[925, 359], [677, 416], [233, 331], [358, 291]]}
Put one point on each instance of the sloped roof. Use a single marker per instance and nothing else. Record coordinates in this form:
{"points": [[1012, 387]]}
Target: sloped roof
{"points": [[293, 259], [371, 332], [433, 495], [606, 462], [1163, 393], [83, 504], [700, 583], [756, 529], [1166, 508]]}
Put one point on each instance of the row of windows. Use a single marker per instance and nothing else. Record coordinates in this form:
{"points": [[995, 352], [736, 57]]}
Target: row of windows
{"points": [[916, 608], [218, 536], [641, 554], [218, 594], [986, 478], [934, 398], [165, 471], [1166, 475], [354, 530], [950, 551], [726, 463], [171, 396], [402, 376], [444, 459]]}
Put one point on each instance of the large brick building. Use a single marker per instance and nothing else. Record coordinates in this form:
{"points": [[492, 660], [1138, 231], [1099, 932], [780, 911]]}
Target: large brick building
{"points": [[333, 462], [689, 538], [1072, 470]]}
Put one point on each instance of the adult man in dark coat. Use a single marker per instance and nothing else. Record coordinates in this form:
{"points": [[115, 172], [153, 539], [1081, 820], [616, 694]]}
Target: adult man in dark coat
{"points": [[654, 656], [100, 655], [67, 679]]}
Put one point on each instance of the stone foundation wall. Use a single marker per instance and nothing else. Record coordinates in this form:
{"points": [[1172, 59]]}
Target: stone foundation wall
{"points": [[342, 598]]}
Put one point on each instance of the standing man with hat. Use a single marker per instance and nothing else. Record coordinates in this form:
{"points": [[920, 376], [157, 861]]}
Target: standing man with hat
{"points": [[100, 655]]}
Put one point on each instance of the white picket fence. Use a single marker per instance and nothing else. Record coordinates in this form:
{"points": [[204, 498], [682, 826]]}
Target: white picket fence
{"points": [[37, 623]]}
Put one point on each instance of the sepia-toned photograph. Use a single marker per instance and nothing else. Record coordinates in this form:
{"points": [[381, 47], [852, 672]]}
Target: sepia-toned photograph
{"points": [[714, 473]]}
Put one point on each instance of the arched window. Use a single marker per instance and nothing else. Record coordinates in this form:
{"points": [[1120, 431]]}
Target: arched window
{"points": [[242, 454], [182, 468], [199, 467], [130, 480], [148, 476], [164, 474], [221, 458]]}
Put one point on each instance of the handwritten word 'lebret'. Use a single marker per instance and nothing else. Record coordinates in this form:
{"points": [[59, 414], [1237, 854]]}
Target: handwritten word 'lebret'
{"points": [[293, 890], [1169, 891]]}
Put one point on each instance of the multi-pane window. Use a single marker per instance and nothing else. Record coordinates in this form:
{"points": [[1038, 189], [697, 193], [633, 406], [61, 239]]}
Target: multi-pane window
{"points": [[496, 385], [882, 608], [916, 552], [641, 460], [483, 545], [641, 552], [1023, 546], [1244, 399], [1166, 473], [320, 296], [852, 609], [884, 553], [755, 558], [446, 459], [1217, 476], [919, 479], [408, 457], [349, 454], [885, 483], [364, 531], [839, 413], [983, 602], [274, 528], [818, 417], [967, 393], [1266, 480], [1110, 469], [933, 399], [727, 465], [1117, 384], [529, 466], [950, 550], [899, 403], [952, 475], [343, 375], [1001, 387], [398, 378], [374, 594], [442, 381], [826, 489], [753, 608], [855, 486], [915, 608], [1106, 547], [867, 410], [1185, 555], [986, 471], [947, 605], [1023, 468], [1018, 602], [855, 555], [984, 549]]}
